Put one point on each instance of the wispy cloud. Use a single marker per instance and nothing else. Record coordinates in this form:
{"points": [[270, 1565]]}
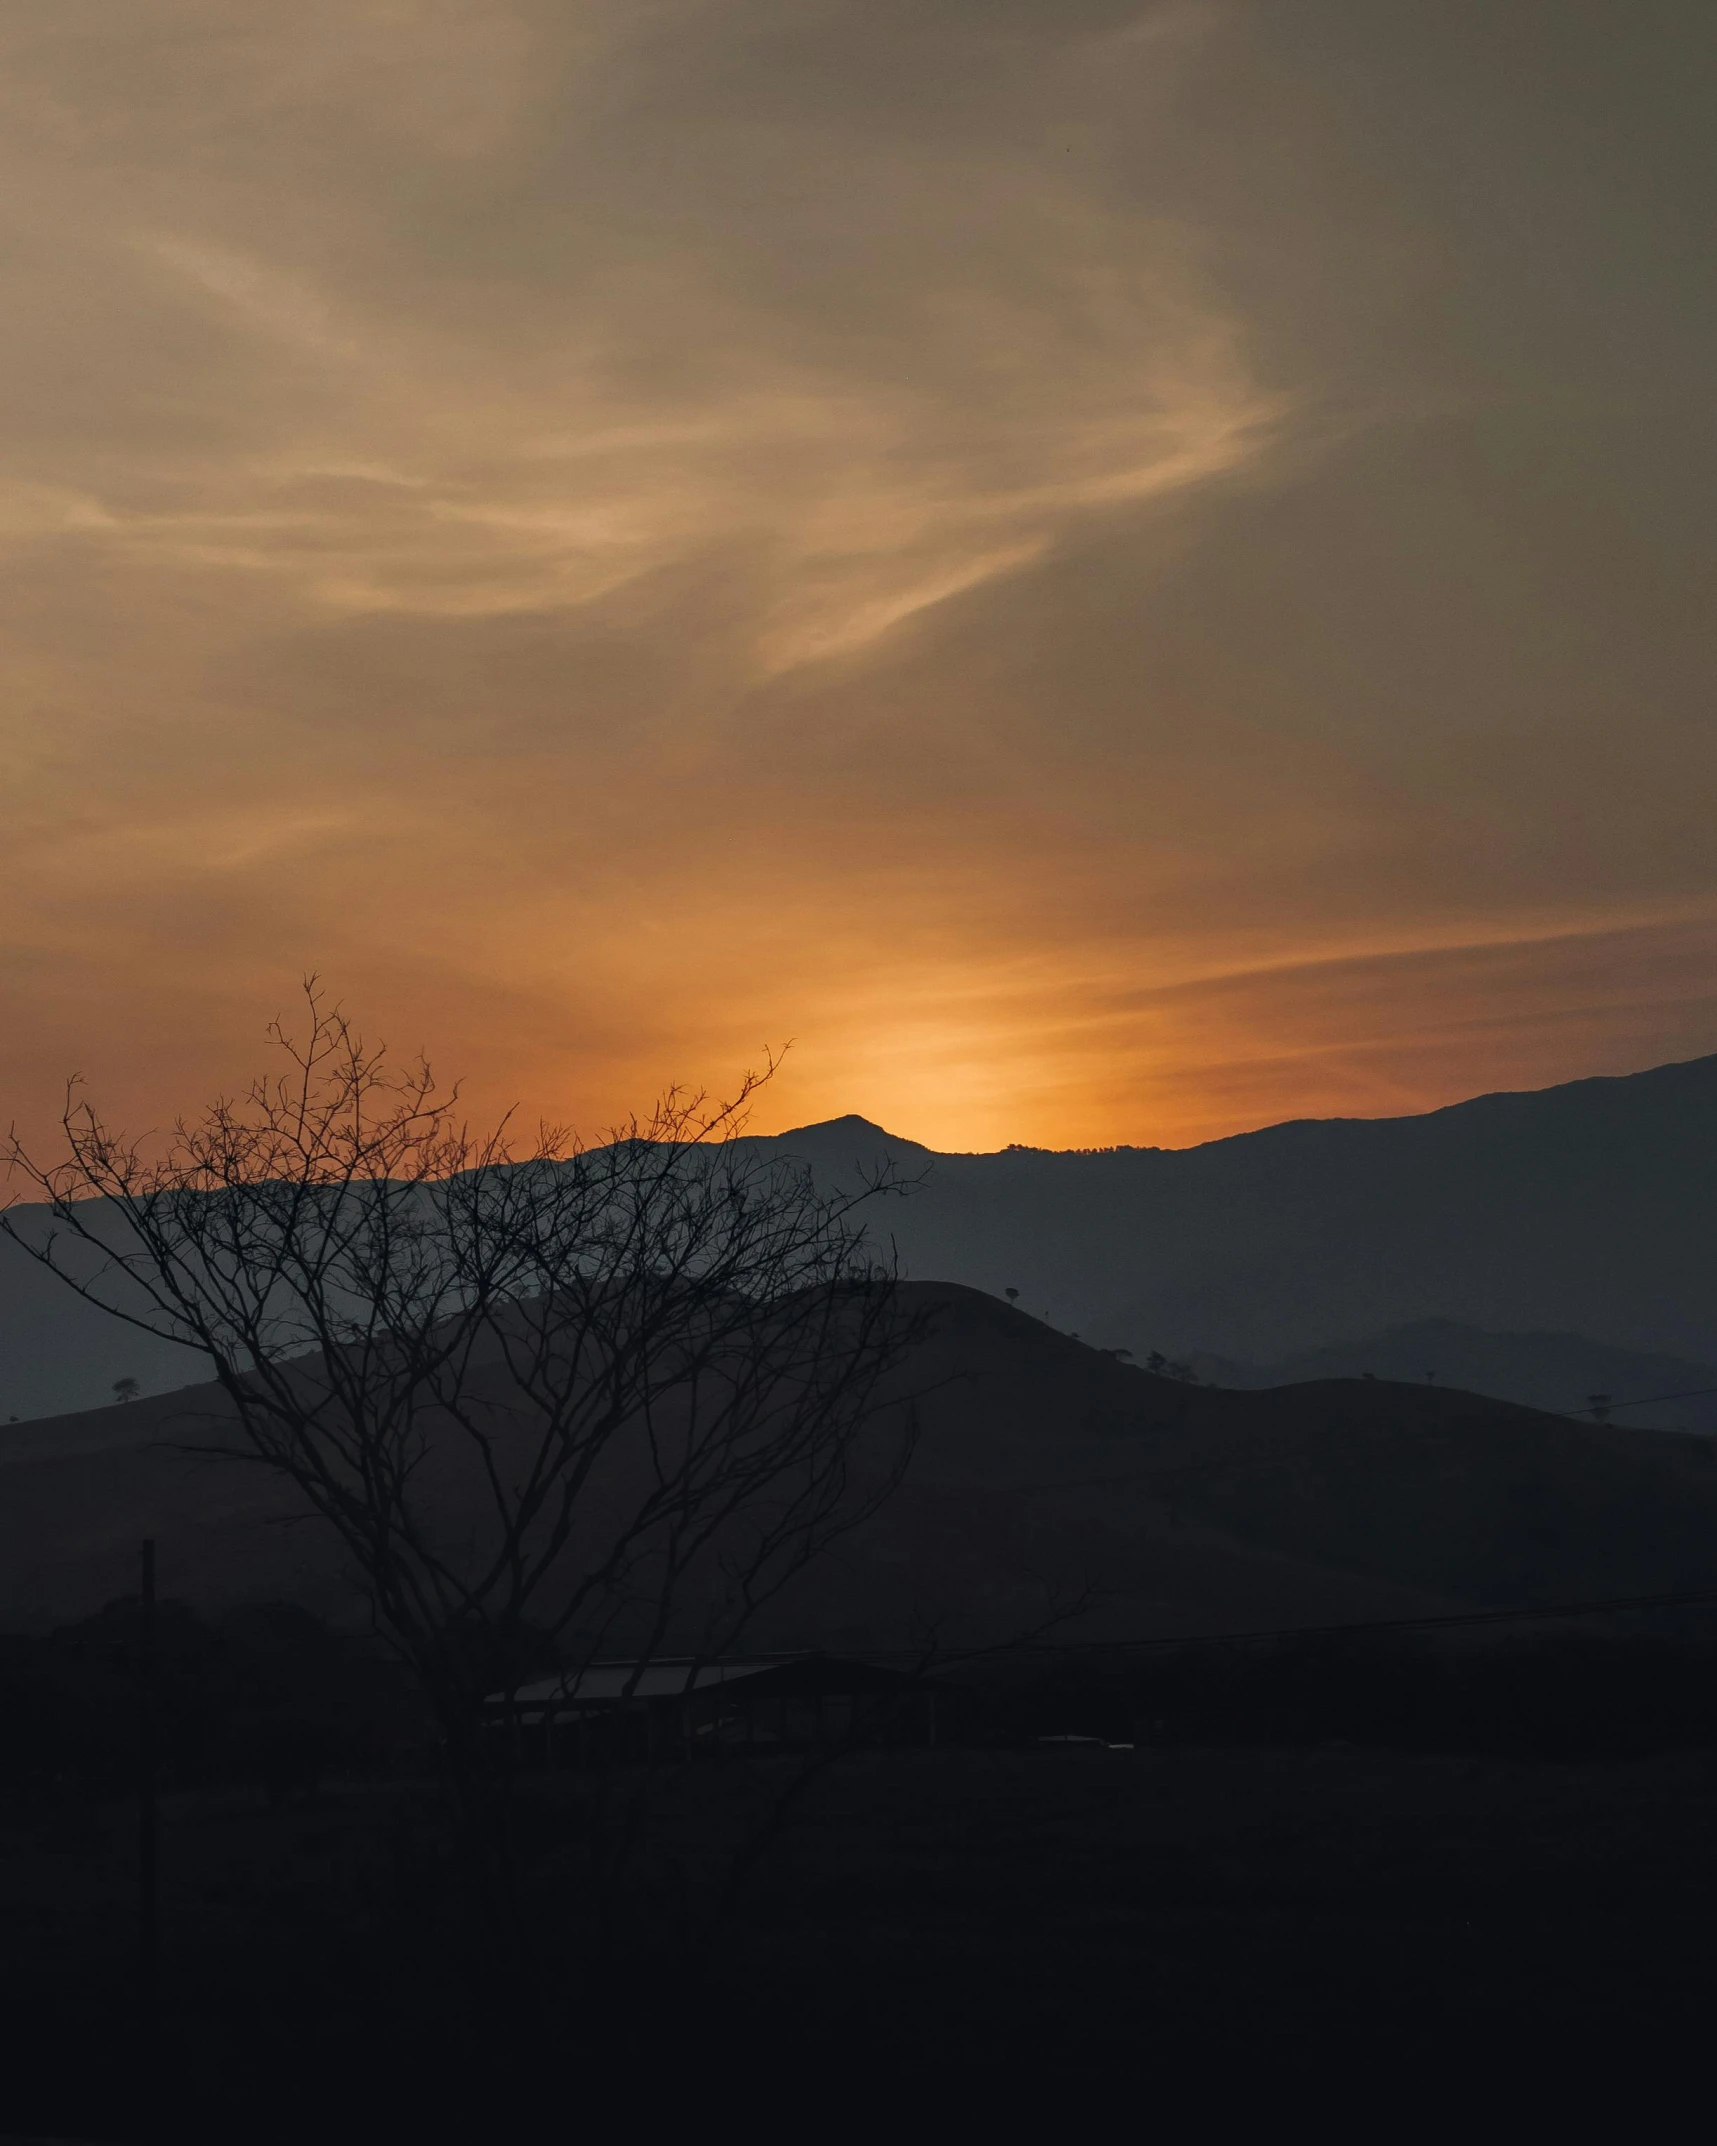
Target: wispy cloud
{"points": [[1027, 353], [980, 537]]}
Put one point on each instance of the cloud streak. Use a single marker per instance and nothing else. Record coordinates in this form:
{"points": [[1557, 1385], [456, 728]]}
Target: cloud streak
{"points": [[981, 537]]}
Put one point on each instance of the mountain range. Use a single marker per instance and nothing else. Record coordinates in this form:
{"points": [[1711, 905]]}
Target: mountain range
{"points": [[1564, 1374], [1582, 1210], [1532, 1229]]}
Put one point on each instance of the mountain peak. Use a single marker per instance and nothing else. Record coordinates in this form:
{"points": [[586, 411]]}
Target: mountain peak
{"points": [[849, 1128]]}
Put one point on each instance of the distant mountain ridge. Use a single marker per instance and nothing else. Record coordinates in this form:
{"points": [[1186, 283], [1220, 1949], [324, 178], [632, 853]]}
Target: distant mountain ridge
{"points": [[1560, 1373], [1583, 1210]]}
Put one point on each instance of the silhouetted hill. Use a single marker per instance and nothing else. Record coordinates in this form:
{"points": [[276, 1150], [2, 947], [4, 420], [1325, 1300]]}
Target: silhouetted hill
{"points": [[1557, 1372], [1046, 1469], [1582, 1209]]}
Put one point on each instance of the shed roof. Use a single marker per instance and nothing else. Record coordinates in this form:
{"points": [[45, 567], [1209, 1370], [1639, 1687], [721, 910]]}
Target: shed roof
{"points": [[627, 1680], [616, 1681]]}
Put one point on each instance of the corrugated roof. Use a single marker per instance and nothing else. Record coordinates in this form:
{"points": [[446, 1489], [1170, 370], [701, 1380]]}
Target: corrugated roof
{"points": [[796, 1676], [625, 1680]]}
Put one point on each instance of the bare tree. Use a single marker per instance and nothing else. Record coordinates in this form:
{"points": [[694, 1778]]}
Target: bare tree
{"points": [[590, 1396]]}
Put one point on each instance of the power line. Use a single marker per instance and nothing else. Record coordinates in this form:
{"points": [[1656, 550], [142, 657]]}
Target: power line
{"points": [[1613, 1605], [1697, 1393]]}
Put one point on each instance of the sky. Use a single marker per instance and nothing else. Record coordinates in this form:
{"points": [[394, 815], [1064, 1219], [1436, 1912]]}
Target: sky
{"points": [[1103, 573]]}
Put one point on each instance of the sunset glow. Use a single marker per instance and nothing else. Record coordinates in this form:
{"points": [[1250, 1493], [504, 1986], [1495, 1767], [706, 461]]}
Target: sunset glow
{"points": [[1090, 568]]}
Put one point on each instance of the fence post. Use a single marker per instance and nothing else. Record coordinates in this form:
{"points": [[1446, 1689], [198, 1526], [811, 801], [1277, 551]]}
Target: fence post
{"points": [[148, 1869]]}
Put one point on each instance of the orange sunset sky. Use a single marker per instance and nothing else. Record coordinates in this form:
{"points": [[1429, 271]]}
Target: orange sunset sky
{"points": [[1113, 573]]}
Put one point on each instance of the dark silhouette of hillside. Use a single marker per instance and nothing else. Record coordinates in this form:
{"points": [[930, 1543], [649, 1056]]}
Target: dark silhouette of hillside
{"points": [[1048, 1474], [1580, 1210], [971, 1913], [1563, 1373]]}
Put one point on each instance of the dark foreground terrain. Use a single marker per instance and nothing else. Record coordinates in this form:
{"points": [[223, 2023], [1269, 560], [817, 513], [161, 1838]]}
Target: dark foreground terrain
{"points": [[1496, 1904], [1466, 1871], [1046, 1473]]}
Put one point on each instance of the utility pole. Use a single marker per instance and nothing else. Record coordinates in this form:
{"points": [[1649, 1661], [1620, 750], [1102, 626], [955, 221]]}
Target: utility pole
{"points": [[148, 1872]]}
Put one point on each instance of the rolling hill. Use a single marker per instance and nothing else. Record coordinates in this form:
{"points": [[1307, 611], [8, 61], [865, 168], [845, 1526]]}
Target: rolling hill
{"points": [[1047, 1471]]}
